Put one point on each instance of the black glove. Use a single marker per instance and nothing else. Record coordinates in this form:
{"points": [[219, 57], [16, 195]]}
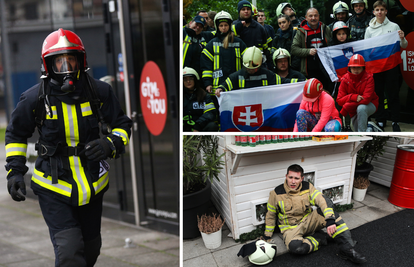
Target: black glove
{"points": [[99, 149], [13, 184]]}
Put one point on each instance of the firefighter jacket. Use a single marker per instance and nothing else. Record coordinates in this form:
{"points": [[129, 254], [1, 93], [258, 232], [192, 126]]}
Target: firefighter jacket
{"points": [[284, 39], [217, 63], [286, 208], [254, 35], [197, 114], [193, 45], [358, 25], [69, 126], [242, 79]]}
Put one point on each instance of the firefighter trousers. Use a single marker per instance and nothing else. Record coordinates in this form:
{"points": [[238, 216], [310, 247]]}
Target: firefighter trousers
{"points": [[304, 238], [74, 231]]}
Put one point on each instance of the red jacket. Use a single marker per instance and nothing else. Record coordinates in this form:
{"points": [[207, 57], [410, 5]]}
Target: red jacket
{"points": [[323, 109], [353, 85]]}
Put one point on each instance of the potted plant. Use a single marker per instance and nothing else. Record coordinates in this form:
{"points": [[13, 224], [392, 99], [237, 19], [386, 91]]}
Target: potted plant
{"points": [[210, 227], [201, 165], [371, 150], [361, 184]]}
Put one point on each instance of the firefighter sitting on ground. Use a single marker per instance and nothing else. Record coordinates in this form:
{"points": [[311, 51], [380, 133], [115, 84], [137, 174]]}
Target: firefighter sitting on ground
{"points": [[289, 208]]}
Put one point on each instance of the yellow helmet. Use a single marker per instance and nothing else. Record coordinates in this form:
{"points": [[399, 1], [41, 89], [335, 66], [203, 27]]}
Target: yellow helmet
{"points": [[252, 58], [281, 53]]}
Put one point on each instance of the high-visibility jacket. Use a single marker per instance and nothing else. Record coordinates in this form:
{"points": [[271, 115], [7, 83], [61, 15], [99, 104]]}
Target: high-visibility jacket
{"points": [[71, 126], [193, 45], [242, 79], [286, 208], [200, 113], [217, 63]]}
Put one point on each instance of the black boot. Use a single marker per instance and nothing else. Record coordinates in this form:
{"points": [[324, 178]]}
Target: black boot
{"points": [[352, 255]]}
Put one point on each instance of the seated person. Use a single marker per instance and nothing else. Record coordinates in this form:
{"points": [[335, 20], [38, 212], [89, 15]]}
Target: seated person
{"points": [[317, 110], [199, 112], [357, 95], [289, 209]]}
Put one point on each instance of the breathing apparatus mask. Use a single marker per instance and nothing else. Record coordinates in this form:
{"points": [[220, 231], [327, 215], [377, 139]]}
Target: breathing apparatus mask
{"points": [[65, 68]]}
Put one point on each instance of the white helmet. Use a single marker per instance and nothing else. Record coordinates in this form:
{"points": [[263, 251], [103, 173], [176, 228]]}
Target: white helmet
{"points": [[222, 16], [252, 58], [359, 1], [264, 253], [281, 6], [340, 7], [187, 71], [281, 53]]}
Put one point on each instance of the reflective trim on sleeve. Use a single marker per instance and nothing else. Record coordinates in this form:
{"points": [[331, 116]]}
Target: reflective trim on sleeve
{"points": [[271, 208], [270, 229], [121, 133], [101, 183], [207, 54], [186, 45], [16, 149], [207, 74], [327, 212], [340, 229], [313, 196]]}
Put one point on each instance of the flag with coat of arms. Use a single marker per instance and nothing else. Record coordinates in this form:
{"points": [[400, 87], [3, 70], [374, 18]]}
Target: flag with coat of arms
{"points": [[381, 53], [264, 109]]}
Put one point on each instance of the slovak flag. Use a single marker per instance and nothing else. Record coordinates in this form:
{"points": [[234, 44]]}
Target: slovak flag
{"points": [[381, 53], [263, 109]]}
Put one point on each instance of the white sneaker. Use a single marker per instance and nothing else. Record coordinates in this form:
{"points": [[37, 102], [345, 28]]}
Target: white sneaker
{"points": [[374, 127]]}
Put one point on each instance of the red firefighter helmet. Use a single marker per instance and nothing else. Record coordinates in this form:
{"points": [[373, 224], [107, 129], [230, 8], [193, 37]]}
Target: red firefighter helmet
{"points": [[356, 61], [312, 90], [62, 42]]}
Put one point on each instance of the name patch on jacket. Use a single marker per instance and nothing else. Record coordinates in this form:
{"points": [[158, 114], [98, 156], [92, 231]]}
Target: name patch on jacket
{"points": [[196, 105]]}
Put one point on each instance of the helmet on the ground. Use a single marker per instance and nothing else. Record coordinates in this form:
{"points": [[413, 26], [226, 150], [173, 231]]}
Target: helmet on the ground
{"points": [[281, 53], [312, 90], [252, 58], [222, 16], [356, 61], [263, 254], [340, 25], [281, 6], [58, 44], [187, 71], [359, 1], [340, 7]]}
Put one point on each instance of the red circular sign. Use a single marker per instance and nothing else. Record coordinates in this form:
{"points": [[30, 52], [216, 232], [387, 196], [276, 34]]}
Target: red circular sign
{"points": [[153, 98], [408, 4], [407, 65]]}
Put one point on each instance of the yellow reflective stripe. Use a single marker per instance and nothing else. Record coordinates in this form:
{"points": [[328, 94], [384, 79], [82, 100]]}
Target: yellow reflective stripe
{"points": [[216, 50], [264, 82], [294, 81], [205, 111], [121, 133], [271, 208], [328, 211], [61, 187], [269, 40], [16, 149], [233, 27], [284, 227], [54, 114], [314, 242], [238, 58], [309, 212], [101, 183], [313, 196], [186, 45], [72, 139], [208, 54], [229, 84], [282, 208], [340, 229], [207, 74], [86, 109], [278, 79], [269, 229]]}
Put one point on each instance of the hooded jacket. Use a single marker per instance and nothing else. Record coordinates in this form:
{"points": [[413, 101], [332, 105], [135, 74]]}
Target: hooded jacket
{"points": [[323, 108], [300, 47], [287, 207], [353, 85], [377, 29]]}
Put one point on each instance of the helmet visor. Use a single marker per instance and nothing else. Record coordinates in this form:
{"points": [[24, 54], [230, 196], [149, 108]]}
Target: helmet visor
{"points": [[65, 63]]}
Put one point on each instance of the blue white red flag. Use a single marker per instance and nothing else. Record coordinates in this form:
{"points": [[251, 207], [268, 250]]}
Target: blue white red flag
{"points": [[262, 109], [381, 53]]}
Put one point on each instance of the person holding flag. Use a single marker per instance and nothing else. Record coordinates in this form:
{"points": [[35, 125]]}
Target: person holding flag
{"points": [[386, 81]]}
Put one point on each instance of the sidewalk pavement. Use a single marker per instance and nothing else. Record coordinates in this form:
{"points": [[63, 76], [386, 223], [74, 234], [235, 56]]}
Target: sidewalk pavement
{"points": [[374, 206], [25, 241]]}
